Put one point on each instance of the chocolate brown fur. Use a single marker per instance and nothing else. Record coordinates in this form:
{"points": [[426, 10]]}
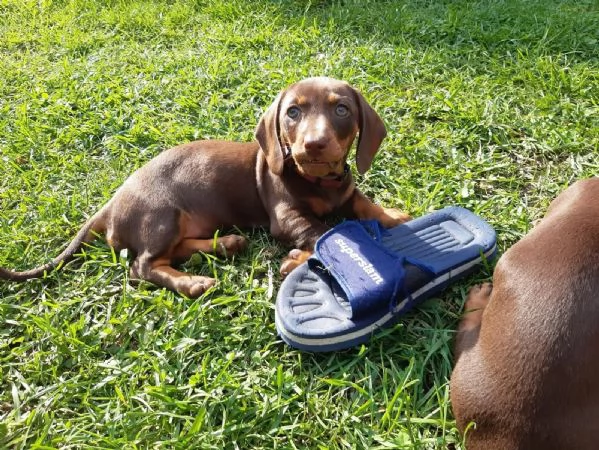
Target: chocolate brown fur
{"points": [[527, 370], [288, 180]]}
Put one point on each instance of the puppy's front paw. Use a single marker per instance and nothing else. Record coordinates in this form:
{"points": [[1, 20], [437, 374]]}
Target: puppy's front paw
{"points": [[392, 217], [294, 258], [478, 297]]}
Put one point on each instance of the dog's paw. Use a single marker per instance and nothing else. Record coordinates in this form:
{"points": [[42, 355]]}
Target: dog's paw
{"points": [[392, 217], [294, 258], [478, 297], [231, 244], [194, 286]]}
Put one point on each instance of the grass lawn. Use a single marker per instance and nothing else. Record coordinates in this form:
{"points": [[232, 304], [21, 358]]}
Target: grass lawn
{"points": [[492, 105]]}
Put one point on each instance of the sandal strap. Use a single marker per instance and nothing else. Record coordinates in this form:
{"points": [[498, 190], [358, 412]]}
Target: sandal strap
{"points": [[370, 274]]}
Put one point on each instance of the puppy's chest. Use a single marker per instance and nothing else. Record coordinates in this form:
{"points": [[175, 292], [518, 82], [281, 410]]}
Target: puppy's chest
{"points": [[326, 203]]}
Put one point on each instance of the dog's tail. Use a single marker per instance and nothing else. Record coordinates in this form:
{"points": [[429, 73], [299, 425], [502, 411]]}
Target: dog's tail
{"points": [[85, 234]]}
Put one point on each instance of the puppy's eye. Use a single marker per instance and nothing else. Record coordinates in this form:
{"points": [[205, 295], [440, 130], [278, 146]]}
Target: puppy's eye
{"points": [[342, 110], [293, 112]]}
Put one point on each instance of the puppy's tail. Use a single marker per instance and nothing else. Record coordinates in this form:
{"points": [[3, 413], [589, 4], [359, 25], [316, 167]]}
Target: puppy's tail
{"points": [[85, 234]]}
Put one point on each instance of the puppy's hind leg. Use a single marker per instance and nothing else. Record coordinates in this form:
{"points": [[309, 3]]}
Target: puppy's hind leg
{"points": [[154, 246], [160, 272], [222, 246]]}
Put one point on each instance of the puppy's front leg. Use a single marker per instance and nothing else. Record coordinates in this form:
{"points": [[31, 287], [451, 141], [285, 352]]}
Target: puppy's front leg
{"points": [[361, 207], [300, 230], [294, 258]]}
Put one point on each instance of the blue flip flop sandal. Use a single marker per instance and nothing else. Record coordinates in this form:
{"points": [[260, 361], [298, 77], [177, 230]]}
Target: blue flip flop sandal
{"points": [[363, 277]]}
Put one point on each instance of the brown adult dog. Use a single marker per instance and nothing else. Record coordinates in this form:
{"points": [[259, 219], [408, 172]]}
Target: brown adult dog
{"points": [[527, 370], [294, 174]]}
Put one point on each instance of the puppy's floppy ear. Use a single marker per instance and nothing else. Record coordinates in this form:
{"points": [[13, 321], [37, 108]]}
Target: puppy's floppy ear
{"points": [[372, 132], [267, 134]]}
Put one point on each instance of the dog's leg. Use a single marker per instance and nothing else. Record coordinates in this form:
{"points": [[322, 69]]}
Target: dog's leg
{"points": [[466, 383], [469, 327], [294, 258], [362, 208], [299, 230], [159, 272], [222, 246], [160, 234]]}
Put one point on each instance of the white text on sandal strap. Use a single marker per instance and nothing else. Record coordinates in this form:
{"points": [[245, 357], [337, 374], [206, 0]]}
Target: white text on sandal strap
{"points": [[364, 265]]}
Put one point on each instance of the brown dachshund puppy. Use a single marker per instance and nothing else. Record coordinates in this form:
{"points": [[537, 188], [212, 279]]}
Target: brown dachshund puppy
{"points": [[288, 180], [527, 370]]}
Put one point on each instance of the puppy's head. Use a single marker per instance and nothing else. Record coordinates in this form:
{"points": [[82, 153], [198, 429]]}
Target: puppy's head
{"points": [[315, 122]]}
